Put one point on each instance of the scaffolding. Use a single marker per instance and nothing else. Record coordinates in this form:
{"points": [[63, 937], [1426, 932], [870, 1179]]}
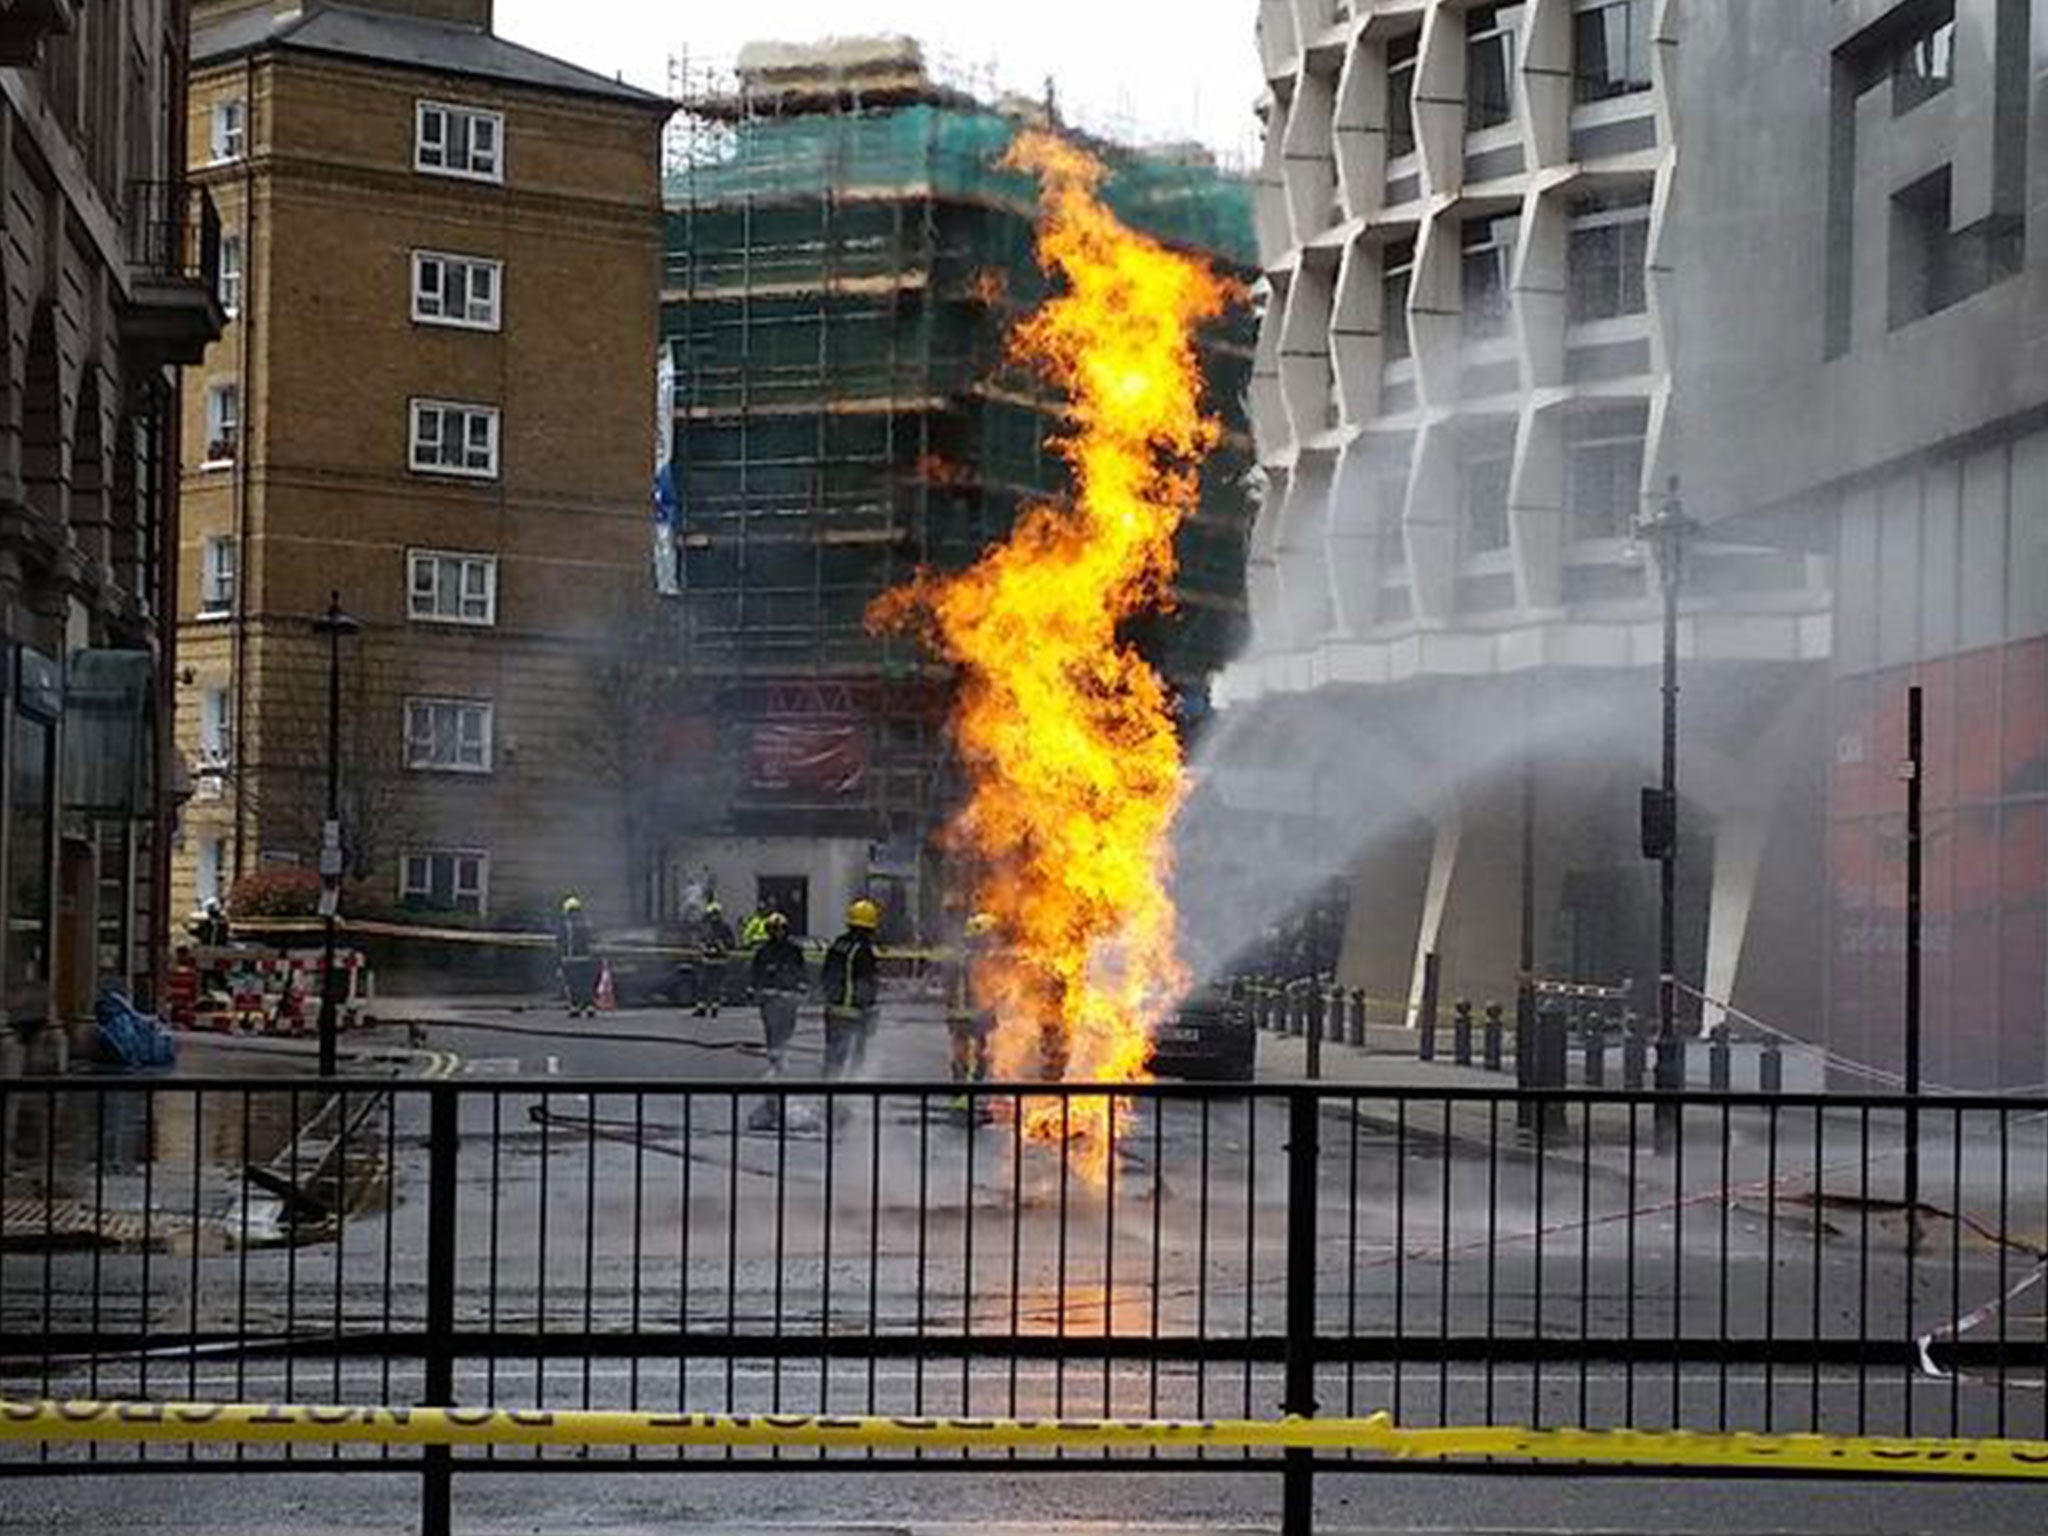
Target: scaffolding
{"points": [[845, 255]]}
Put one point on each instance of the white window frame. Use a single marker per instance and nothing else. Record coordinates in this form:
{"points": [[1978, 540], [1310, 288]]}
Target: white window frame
{"points": [[220, 569], [430, 145], [407, 888], [469, 415], [230, 288], [216, 726], [436, 273], [422, 729], [433, 563], [1614, 215], [210, 869], [223, 423], [230, 130], [1507, 35], [1596, 432]]}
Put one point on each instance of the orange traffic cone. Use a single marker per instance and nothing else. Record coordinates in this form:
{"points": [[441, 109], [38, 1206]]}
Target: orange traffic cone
{"points": [[606, 998]]}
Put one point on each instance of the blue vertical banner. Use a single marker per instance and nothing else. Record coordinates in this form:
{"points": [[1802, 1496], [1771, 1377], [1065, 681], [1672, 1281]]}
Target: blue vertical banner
{"points": [[668, 512]]}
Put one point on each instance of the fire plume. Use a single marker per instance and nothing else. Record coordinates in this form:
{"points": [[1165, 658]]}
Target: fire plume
{"points": [[1065, 733]]}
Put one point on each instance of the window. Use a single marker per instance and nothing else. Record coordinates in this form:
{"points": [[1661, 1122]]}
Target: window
{"points": [[451, 735], [1607, 246], [455, 290], [1397, 267], [1401, 94], [230, 129], [213, 863], [1489, 254], [1925, 64], [230, 289], [459, 141], [216, 728], [1603, 470], [1926, 260], [223, 423], [1490, 65], [452, 439], [1611, 50], [1484, 469], [217, 577], [1390, 499], [31, 823], [444, 880], [452, 589]]}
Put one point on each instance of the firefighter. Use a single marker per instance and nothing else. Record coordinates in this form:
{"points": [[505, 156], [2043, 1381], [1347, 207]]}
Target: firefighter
{"points": [[714, 947], [577, 957], [849, 985], [969, 1024], [780, 980]]}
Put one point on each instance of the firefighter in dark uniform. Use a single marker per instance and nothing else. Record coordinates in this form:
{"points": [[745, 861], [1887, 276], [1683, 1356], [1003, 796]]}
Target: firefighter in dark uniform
{"points": [[714, 948], [970, 1026], [849, 983], [780, 980]]}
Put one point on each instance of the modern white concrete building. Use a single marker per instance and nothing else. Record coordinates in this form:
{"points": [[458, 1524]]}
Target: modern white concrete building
{"points": [[1524, 265], [1467, 392]]}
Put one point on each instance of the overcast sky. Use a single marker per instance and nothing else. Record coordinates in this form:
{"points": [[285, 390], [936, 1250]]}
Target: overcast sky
{"points": [[1170, 68]]}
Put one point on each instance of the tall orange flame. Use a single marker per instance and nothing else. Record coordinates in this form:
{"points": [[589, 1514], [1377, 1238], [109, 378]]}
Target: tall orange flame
{"points": [[1065, 734]]}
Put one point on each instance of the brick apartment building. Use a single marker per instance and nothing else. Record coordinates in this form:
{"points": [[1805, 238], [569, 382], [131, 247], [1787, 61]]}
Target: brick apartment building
{"points": [[434, 398]]}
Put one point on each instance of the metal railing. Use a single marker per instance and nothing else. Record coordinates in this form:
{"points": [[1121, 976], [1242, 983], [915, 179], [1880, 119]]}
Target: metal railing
{"points": [[1464, 1256], [174, 233]]}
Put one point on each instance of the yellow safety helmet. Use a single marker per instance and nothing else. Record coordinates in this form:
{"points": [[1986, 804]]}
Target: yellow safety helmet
{"points": [[572, 903], [864, 914], [981, 923], [775, 922], [713, 909]]}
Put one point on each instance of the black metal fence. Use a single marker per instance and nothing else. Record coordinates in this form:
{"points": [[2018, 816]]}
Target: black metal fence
{"points": [[1467, 1256]]}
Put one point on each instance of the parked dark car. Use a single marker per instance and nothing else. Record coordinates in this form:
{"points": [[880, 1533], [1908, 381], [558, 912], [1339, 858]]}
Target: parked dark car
{"points": [[1209, 1039], [650, 967]]}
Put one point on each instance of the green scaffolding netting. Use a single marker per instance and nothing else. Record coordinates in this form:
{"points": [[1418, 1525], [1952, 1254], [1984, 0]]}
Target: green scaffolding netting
{"points": [[955, 152]]}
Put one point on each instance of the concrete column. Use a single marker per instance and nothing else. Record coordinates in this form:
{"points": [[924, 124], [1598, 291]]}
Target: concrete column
{"points": [[1740, 836], [1447, 835]]}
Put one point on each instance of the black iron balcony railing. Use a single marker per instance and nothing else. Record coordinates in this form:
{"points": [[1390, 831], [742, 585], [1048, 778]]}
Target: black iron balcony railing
{"points": [[174, 253], [173, 232]]}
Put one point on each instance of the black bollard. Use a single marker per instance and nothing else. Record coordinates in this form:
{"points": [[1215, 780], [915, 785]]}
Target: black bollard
{"points": [[1426, 1034], [1634, 1055], [1719, 1066], [1596, 1051], [1550, 1054], [1770, 1068], [1357, 1017], [1495, 1028], [1461, 1033]]}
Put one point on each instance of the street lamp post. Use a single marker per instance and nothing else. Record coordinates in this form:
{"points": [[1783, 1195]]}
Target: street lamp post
{"points": [[334, 624], [1666, 532]]}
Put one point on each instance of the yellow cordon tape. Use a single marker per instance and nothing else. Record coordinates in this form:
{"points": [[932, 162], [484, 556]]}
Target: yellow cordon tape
{"points": [[261, 1424]]}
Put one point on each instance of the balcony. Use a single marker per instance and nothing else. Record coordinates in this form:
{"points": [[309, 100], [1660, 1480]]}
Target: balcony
{"points": [[174, 311], [24, 25]]}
